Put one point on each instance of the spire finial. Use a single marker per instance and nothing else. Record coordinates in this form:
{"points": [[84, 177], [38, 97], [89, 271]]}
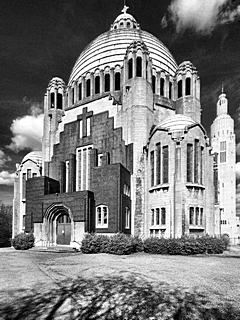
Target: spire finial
{"points": [[125, 8], [222, 88]]}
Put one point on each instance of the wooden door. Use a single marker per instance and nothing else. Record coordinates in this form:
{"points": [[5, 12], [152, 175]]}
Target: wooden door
{"points": [[63, 230]]}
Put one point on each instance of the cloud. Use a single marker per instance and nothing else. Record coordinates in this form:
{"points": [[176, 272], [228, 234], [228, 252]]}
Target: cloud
{"points": [[201, 16], [238, 170], [27, 130], [6, 178], [3, 158]]}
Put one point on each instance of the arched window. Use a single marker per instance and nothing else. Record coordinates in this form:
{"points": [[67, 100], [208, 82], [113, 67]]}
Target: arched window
{"points": [[101, 216], [97, 84], [80, 91], [188, 86], [139, 67], [170, 90], [88, 87], [162, 82], [154, 84], [128, 24], [121, 24], [73, 93], [107, 82], [179, 88], [59, 101], [52, 99], [117, 80], [130, 68]]}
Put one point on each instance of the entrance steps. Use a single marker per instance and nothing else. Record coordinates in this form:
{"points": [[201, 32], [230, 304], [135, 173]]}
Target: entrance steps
{"points": [[55, 249]]}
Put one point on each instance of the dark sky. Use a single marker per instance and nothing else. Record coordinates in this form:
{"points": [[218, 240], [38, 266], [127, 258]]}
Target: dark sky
{"points": [[41, 39]]}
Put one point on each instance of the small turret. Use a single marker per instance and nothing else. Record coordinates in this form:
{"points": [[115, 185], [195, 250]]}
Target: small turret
{"points": [[187, 91]]}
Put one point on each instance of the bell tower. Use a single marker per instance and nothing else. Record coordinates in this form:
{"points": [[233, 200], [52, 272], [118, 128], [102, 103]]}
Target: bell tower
{"points": [[54, 105], [224, 148]]}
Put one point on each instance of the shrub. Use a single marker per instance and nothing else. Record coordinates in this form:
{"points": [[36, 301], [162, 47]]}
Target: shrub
{"points": [[23, 241], [156, 245], [137, 244], [185, 245], [121, 244], [117, 244], [93, 243]]}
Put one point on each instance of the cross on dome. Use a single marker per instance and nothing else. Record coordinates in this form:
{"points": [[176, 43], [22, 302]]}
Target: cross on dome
{"points": [[125, 8]]}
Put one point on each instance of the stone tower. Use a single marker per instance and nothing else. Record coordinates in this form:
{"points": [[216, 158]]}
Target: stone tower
{"points": [[54, 105], [224, 148]]}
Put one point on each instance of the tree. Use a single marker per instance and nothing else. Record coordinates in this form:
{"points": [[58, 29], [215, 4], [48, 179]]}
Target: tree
{"points": [[5, 225]]}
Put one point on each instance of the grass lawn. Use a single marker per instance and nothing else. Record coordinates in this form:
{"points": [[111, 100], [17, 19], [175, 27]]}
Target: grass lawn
{"points": [[216, 276]]}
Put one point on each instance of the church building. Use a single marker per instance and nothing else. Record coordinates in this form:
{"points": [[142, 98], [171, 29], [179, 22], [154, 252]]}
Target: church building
{"points": [[124, 149]]}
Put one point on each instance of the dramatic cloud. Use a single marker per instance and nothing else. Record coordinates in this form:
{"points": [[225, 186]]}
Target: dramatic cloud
{"points": [[238, 170], [6, 178], [200, 15], [3, 158], [27, 131]]}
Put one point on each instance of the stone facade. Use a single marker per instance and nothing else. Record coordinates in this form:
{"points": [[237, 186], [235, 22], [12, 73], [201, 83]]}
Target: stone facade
{"points": [[123, 146]]}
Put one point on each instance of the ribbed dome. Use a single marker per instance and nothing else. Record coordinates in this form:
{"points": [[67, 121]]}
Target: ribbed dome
{"points": [[35, 156], [177, 122], [109, 49]]}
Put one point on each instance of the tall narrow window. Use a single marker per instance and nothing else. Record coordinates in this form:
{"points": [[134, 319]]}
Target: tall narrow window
{"points": [[127, 218], [80, 129], [162, 83], [179, 88], [152, 217], [188, 86], [130, 68], [165, 164], [157, 216], [88, 87], [152, 167], [23, 185], [117, 80], [201, 165], [88, 126], [102, 216], [52, 99], [139, 67], [59, 101], [201, 216], [72, 95], [189, 162], [153, 84], [83, 168], [197, 216], [191, 215], [80, 91], [196, 161], [170, 90], [107, 82], [163, 216], [97, 84], [67, 176], [158, 163], [223, 151]]}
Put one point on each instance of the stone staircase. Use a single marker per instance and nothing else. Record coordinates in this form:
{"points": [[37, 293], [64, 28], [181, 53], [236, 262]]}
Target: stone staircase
{"points": [[55, 249]]}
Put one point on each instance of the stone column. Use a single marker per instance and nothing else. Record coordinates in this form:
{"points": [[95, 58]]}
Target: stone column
{"points": [[101, 82], [158, 77], [144, 62]]}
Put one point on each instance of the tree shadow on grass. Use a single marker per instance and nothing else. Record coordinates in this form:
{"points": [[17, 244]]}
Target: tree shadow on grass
{"points": [[113, 298]]}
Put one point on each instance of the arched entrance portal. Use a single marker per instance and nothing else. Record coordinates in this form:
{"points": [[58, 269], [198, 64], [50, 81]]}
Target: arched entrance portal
{"points": [[58, 225]]}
